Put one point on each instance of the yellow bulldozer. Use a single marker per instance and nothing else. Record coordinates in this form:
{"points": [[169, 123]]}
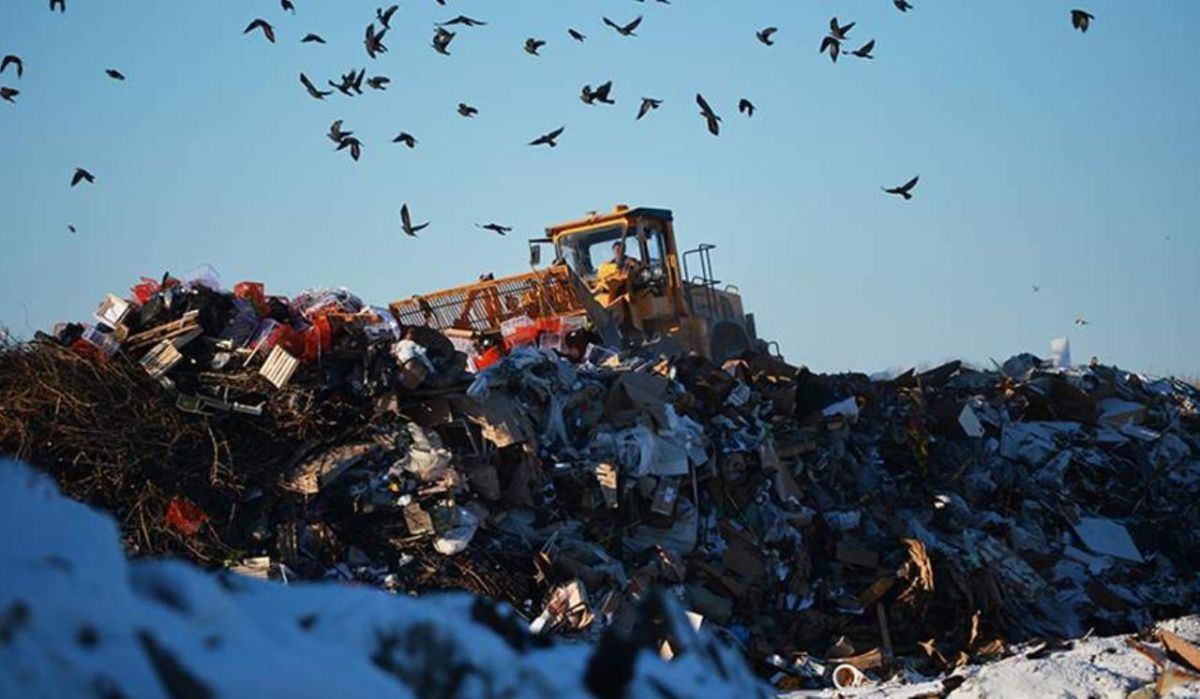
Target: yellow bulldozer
{"points": [[619, 272]]}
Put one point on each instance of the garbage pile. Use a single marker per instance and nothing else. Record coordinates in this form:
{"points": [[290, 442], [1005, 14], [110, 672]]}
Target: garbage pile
{"points": [[80, 619], [837, 529]]}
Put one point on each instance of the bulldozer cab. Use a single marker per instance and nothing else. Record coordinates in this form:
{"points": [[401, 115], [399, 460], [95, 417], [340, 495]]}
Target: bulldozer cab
{"points": [[646, 275], [652, 298]]}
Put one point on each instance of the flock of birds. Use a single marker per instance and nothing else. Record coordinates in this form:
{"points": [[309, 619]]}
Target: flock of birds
{"points": [[352, 83]]}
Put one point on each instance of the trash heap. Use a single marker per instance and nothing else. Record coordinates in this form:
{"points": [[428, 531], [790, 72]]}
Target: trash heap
{"points": [[80, 619], [837, 529]]}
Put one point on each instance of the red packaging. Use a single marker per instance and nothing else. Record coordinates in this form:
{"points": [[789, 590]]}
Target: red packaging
{"points": [[255, 293], [146, 288], [184, 517], [87, 350], [488, 358], [318, 339]]}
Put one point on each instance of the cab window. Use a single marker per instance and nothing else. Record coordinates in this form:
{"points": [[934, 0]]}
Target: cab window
{"points": [[585, 252]]}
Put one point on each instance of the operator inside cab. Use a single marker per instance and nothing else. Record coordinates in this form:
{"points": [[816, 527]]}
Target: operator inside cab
{"points": [[620, 265], [612, 287]]}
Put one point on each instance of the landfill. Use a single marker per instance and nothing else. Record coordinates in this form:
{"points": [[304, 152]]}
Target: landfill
{"points": [[838, 530]]}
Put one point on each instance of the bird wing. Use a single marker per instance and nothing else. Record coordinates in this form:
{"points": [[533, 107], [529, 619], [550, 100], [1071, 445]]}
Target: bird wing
{"points": [[632, 25], [866, 48], [704, 108], [261, 24], [555, 133], [828, 42], [910, 184], [404, 217]]}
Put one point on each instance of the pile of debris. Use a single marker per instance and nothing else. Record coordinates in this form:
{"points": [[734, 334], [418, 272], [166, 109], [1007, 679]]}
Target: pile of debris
{"points": [[837, 529], [80, 619]]}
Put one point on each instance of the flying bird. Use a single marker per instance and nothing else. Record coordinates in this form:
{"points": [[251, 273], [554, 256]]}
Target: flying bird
{"points": [[312, 39], [406, 222], [714, 121], [904, 190], [600, 94], [902, 5], [8, 93], [287, 6], [548, 139], [71, 228], [1035, 288], [60, 4], [467, 110], [267, 30], [463, 20], [441, 40], [626, 30], [764, 36], [833, 46], [532, 46], [864, 51], [746, 107], [351, 83], [385, 16], [13, 60], [576, 35], [1081, 20], [406, 138], [495, 228], [1082, 321], [312, 89], [114, 74], [649, 104], [81, 175], [378, 82], [353, 144], [374, 42], [335, 132], [839, 32]]}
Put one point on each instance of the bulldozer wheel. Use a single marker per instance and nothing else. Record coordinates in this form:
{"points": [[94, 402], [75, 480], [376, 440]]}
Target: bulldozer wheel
{"points": [[728, 340]]}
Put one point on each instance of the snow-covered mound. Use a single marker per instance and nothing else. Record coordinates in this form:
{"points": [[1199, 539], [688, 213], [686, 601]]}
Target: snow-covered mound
{"points": [[1131, 666], [79, 619]]}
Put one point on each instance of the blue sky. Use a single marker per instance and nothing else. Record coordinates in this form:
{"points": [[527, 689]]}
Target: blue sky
{"points": [[1046, 157]]}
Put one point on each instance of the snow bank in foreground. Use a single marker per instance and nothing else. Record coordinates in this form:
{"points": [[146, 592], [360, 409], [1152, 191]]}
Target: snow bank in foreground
{"points": [[1092, 667], [77, 618]]}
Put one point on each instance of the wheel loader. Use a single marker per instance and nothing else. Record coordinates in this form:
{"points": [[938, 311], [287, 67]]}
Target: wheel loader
{"points": [[656, 297]]}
